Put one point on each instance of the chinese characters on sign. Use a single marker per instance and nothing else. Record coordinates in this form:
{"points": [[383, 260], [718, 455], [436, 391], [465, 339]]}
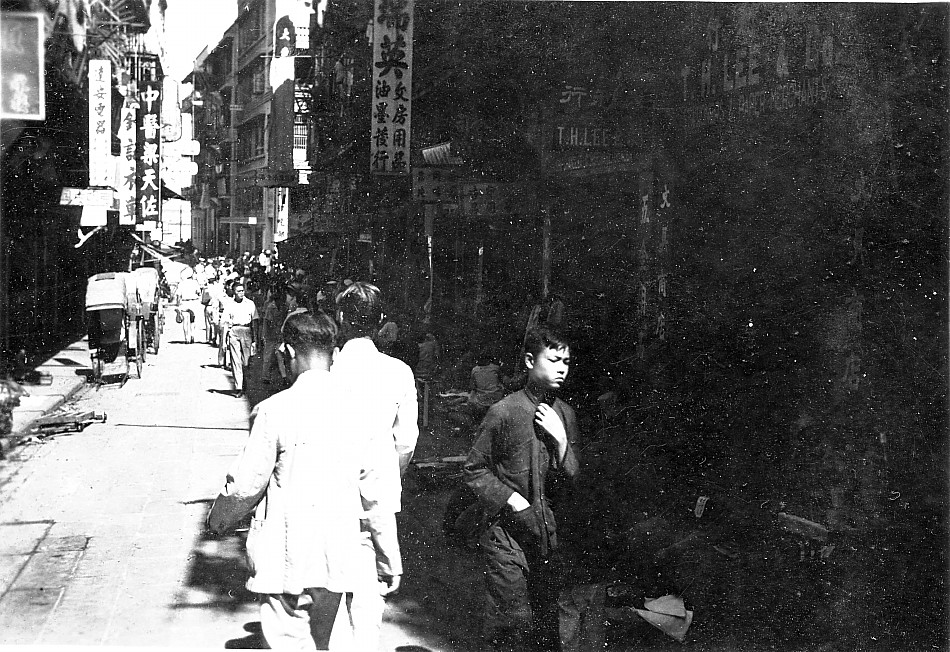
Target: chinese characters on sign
{"points": [[126, 171], [486, 199], [22, 64], [653, 215], [392, 87], [282, 214], [101, 170], [583, 121], [433, 184], [150, 127]]}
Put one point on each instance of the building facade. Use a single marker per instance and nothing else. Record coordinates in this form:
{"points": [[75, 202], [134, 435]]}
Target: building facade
{"points": [[96, 58], [253, 140]]}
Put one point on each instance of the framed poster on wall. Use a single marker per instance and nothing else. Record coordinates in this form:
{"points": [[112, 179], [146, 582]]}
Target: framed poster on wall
{"points": [[22, 92]]}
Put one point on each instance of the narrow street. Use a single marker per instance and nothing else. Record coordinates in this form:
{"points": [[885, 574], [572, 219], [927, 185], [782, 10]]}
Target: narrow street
{"points": [[101, 533]]}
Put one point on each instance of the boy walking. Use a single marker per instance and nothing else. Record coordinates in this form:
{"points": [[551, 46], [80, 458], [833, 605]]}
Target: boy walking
{"points": [[521, 464], [300, 473]]}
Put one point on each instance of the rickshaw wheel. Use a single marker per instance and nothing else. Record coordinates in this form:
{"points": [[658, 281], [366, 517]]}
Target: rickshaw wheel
{"points": [[156, 332], [140, 346]]}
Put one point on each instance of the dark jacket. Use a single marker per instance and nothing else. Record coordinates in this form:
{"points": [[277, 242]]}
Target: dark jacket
{"points": [[500, 464]]}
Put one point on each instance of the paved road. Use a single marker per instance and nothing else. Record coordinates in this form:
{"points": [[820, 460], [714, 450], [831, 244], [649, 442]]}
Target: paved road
{"points": [[101, 537]]}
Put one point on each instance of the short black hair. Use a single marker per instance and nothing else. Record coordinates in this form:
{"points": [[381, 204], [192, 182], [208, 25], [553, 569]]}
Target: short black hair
{"points": [[307, 332], [362, 307], [291, 291], [543, 337]]}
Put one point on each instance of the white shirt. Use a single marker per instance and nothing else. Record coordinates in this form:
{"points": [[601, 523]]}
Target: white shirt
{"points": [[300, 457], [387, 417], [240, 314], [188, 290]]}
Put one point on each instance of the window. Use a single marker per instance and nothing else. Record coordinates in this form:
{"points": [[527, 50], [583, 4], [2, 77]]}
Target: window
{"points": [[252, 80], [301, 131], [251, 26], [257, 82], [251, 139]]}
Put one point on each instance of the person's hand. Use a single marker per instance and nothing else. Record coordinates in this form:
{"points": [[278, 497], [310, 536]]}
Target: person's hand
{"points": [[547, 418], [389, 584]]}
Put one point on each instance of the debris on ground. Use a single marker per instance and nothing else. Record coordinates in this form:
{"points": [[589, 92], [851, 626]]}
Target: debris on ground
{"points": [[667, 613], [66, 421]]}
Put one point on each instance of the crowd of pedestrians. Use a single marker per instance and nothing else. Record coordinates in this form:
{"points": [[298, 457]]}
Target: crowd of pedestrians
{"points": [[321, 473]]}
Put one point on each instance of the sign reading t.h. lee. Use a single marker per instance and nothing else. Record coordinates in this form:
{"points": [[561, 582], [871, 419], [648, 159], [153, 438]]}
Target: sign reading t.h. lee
{"points": [[22, 92], [392, 87]]}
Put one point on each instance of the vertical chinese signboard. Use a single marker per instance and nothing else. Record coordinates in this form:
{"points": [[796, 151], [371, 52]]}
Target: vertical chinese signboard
{"points": [[291, 30], [126, 172], [392, 87], [101, 169], [282, 215], [22, 94], [653, 217], [150, 127]]}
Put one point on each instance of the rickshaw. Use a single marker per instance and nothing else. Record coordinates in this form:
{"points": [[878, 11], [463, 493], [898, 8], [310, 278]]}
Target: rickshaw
{"points": [[115, 325], [149, 292]]}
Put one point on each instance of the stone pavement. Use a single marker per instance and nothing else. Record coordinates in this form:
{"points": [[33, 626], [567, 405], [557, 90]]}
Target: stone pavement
{"points": [[101, 532]]}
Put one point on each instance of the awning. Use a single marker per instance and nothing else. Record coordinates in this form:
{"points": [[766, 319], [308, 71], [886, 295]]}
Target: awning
{"points": [[158, 251]]}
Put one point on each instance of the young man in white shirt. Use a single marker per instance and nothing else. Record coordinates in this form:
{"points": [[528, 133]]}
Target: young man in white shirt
{"points": [[387, 422], [300, 472], [240, 316]]}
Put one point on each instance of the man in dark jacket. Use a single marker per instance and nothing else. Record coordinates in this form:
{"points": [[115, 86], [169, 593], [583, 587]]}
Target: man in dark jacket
{"points": [[522, 462]]}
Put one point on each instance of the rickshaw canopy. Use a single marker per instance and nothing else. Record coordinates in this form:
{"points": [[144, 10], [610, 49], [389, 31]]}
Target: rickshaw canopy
{"points": [[107, 290], [146, 279]]}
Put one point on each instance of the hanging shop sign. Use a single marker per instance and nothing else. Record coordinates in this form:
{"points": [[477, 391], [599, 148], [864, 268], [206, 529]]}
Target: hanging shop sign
{"points": [[488, 199], [101, 170], [22, 66], [282, 215], [149, 159], [126, 165], [100, 196], [290, 32], [392, 87], [653, 224], [434, 185], [582, 118], [271, 178], [585, 136]]}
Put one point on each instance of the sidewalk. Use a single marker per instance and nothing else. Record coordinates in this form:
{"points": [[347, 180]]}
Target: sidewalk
{"points": [[68, 369]]}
